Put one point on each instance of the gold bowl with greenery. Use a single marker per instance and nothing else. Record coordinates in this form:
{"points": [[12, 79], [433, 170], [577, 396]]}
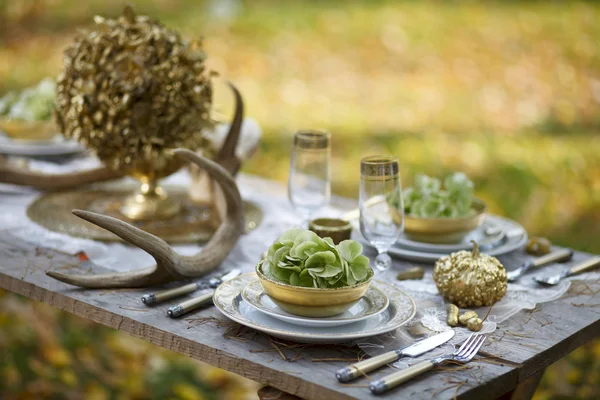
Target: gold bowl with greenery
{"points": [[310, 301], [445, 229]]}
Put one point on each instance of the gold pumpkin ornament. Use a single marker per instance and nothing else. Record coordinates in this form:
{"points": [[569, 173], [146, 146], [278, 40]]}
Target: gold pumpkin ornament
{"points": [[470, 278]]}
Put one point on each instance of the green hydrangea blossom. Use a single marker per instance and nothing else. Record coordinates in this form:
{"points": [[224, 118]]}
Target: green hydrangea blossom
{"points": [[301, 258], [427, 199]]}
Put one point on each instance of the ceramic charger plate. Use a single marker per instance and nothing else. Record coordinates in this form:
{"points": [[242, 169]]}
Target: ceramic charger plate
{"points": [[228, 300], [374, 302]]}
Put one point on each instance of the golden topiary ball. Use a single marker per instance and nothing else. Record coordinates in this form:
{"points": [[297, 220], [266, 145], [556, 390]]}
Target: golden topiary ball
{"points": [[131, 89], [470, 279]]}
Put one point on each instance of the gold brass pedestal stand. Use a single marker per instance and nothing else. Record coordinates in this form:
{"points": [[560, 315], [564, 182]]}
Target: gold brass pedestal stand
{"points": [[150, 202], [192, 224]]}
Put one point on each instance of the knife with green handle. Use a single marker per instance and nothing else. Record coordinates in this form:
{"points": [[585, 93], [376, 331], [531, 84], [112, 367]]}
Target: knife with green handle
{"points": [[353, 371], [163, 295], [197, 302]]}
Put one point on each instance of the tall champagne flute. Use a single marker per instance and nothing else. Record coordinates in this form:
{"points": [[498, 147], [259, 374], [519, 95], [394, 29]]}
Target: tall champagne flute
{"points": [[309, 183], [380, 204]]}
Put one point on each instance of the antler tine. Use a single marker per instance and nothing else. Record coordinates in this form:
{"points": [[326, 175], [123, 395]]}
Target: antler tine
{"points": [[164, 255], [153, 245], [139, 278], [39, 180], [169, 264], [225, 238], [226, 156]]}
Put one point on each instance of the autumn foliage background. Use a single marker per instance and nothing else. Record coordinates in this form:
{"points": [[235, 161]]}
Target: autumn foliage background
{"points": [[508, 92]]}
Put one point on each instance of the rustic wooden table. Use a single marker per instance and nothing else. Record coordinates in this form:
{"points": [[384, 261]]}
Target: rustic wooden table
{"points": [[513, 358]]}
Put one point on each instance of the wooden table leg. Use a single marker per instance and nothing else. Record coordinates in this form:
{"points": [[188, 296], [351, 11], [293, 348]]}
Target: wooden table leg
{"points": [[270, 393], [525, 389]]}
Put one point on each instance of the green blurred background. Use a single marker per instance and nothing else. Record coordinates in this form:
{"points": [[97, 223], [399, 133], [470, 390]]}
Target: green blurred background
{"points": [[508, 92]]}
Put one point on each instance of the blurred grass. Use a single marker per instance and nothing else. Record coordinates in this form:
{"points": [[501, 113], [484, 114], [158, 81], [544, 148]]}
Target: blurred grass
{"points": [[508, 92]]}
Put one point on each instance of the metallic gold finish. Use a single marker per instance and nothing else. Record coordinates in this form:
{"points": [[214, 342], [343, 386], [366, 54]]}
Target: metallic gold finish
{"points": [[313, 302], [131, 89], [411, 273], [312, 139], [444, 230], [538, 246], [451, 315], [228, 299], [336, 229], [470, 279], [195, 223], [150, 202], [29, 130], [378, 166], [466, 316], [475, 324]]}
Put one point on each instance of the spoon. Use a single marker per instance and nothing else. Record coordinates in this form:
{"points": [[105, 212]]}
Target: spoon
{"points": [[586, 265]]}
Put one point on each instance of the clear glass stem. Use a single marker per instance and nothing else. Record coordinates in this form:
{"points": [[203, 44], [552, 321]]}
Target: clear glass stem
{"points": [[383, 260], [305, 219]]}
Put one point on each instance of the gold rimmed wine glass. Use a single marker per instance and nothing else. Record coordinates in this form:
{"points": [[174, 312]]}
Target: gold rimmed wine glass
{"points": [[380, 204], [309, 183]]}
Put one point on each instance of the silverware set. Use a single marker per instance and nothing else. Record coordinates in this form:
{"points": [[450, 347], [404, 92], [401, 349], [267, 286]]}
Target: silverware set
{"points": [[463, 355], [354, 371], [193, 303], [561, 255]]}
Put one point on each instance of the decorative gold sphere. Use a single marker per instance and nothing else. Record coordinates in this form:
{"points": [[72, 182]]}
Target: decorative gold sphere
{"points": [[130, 90], [470, 279]]}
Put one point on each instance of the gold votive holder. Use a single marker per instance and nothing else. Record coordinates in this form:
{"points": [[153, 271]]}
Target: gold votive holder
{"points": [[337, 229]]}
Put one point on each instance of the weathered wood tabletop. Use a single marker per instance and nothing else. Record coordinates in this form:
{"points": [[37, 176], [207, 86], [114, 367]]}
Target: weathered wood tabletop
{"points": [[545, 335]]}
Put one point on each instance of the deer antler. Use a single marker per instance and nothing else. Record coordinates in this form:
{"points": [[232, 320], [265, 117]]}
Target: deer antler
{"points": [[39, 180], [169, 265]]}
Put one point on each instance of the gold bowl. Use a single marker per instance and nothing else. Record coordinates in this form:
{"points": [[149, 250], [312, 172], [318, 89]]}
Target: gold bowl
{"points": [[444, 230], [28, 130], [313, 302], [337, 229]]}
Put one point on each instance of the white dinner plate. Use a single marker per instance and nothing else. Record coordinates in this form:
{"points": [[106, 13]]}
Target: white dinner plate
{"points": [[374, 302], [229, 301], [54, 147]]}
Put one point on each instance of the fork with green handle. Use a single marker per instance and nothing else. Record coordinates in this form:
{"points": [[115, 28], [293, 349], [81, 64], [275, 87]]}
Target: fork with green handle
{"points": [[463, 355]]}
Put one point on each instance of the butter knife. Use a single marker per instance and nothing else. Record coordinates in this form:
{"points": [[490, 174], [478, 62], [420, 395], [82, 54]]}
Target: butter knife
{"points": [[158, 297], [197, 302], [353, 371], [556, 256]]}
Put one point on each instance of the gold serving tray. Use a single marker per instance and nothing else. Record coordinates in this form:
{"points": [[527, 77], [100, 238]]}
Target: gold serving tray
{"points": [[195, 223]]}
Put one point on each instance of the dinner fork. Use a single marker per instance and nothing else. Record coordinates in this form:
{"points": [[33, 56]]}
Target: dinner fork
{"points": [[463, 355]]}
